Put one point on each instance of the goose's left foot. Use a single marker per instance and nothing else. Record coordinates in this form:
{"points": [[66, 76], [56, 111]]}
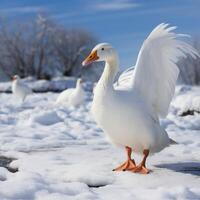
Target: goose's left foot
{"points": [[127, 166], [141, 168]]}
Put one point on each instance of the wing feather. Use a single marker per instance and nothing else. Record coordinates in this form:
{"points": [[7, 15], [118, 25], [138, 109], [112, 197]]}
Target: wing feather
{"points": [[156, 70], [125, 79]]}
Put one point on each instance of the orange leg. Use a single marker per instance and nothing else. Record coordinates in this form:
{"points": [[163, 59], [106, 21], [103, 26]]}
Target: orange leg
{"points": [[141, 168], [129, 164]]}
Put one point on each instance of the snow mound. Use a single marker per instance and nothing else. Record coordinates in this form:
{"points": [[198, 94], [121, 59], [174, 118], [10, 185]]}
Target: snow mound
{"points": [[88, 175], [46, 118]]}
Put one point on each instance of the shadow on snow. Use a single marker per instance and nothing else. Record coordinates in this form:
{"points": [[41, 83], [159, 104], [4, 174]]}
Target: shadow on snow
{"points": [[192, 168]]}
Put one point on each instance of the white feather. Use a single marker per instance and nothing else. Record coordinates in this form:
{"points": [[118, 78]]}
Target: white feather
{"points": [[125, 79], [156, 68], [72, 96]]}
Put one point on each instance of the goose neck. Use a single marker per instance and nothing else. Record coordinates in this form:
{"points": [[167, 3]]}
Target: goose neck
{"points": [[109, 73]]}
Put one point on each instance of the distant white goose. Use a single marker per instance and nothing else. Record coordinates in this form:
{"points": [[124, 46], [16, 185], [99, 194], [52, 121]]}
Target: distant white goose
{"points": [[19, 89], [72, 96], [129, 112]]}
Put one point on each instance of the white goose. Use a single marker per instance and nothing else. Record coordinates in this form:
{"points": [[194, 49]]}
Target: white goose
{"points": [[129, 113], [72, 96], [19, 89]]}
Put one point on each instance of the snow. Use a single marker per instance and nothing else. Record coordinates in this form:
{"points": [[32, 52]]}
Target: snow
{"points": [[188, 98], [62, 154]]}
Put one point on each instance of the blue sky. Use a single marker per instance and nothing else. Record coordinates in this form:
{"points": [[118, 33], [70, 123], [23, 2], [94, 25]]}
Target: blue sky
{"points": [[123, 23]]}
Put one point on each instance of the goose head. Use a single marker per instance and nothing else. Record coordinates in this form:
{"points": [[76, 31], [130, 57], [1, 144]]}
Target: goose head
{"points": [[79, 82], [101, 52], [15, 77]]}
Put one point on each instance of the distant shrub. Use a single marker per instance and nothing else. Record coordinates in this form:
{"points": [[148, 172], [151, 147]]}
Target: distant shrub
{"points": [[44, 49]]}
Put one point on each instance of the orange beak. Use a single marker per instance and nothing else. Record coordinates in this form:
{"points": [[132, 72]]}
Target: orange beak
{"points": [[91, 58]]}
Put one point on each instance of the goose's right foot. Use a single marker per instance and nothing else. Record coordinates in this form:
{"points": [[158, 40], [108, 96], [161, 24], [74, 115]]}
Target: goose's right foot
{"points": [[141, 168]]}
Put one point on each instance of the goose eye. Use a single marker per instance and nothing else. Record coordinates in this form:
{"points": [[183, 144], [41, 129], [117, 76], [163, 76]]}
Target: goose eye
{"points": [[102, 49]]}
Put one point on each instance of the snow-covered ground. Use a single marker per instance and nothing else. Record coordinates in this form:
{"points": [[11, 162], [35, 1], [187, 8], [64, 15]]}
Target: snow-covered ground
{"points": [[61, 153]]}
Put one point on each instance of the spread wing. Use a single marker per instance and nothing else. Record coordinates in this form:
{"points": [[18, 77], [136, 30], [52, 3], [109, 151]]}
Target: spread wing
{"points": [[156, 69]]}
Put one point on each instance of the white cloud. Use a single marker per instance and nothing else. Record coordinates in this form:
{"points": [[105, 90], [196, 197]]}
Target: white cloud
{"points": [[115, 5], [22, 9]]}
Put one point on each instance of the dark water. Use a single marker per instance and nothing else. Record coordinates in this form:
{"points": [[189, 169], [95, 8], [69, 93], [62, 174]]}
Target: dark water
{"points": [[5, 161], [189, 112], [96, 186]]}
